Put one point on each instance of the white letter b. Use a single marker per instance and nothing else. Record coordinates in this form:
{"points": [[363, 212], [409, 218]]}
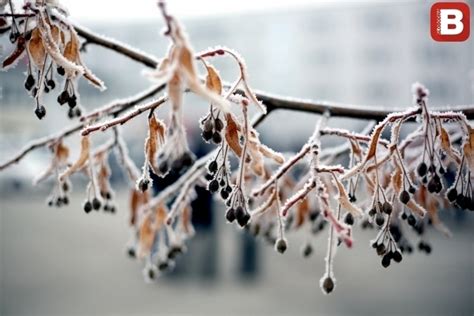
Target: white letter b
{"points": [[450, 17]]}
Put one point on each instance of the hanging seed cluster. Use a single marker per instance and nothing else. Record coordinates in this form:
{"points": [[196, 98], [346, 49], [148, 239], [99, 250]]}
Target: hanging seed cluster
{"points": [[394, 186]]}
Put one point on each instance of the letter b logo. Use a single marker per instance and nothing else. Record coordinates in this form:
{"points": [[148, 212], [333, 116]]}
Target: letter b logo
{"points": [[450, 21]]}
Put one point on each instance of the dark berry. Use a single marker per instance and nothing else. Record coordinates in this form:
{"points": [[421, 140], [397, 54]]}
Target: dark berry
{"points": [[307, 250], [213, 186], [380, 248], [207, 135], [163, 167], [40, 112], [72, 101], [65, 200], [208, 126], [404, 197], [230, 215], [281, 245], [143, 184], [387, 208], [432, 185], [328, 285], [412, 189], [372, 212], [224, 194], [452, 194], [216, 138], [243, 220], [219, 125], [313, 215], [131, 252], [397, 256], [422, 168], [212, 167], [87, 207], [60, 71], [404, 216], [163, 265], [188, 159], [386, 260], [63, 97], [349, 219], [411, 220], [379, 219], [51, 84], [29, 82], [96, 204]]}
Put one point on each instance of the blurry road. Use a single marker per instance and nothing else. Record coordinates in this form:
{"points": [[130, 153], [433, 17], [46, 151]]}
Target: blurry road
{"points": [[64, 262]]}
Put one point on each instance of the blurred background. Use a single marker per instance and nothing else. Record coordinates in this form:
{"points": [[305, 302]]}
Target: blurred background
{"points": [[62, 262]]}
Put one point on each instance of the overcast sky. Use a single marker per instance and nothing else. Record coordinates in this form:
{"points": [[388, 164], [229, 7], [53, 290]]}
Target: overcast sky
{"points": [[146, 9]]}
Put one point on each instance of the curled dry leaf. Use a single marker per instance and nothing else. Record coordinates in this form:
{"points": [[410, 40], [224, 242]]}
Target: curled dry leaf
{"points": [[213, 80], [156, 137], [446, 146], [468, 149], [36, 48], [137, 199], [232, 134], [302, 212], [146, 236], [16, 54], [81, 161]]}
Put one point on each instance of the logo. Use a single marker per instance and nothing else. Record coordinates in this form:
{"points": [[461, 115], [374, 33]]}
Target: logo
{"points": [[450, 21]]}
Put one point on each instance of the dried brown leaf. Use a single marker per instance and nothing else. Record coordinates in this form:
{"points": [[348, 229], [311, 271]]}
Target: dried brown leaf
{"points": [[81, 161], [232, 134], [19, 49], [36, 48], [213, 80]]}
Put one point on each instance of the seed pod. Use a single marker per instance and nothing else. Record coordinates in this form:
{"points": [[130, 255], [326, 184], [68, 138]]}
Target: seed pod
{"points": [[349, 219], [224, 194], [216, 137], [307, 250], [244, 219], [208, 126], [63, 97], [380, 248], [387, 208], [72, 101], [397, 256], [281, 245], [87, 207], [379, 219], [219, 125], [207, 135], [421, 169], [40, 112], [386, 260], [61, 71], [96, 204], [328, 285], [143, 184], [230, 215], [212, 167], [51, 84], [29, 82], [213, 186], [404, 197], [411, 220]]}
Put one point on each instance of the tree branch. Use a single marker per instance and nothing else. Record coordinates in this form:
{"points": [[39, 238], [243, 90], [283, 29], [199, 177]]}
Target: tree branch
{"points": [[273, 101]]}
